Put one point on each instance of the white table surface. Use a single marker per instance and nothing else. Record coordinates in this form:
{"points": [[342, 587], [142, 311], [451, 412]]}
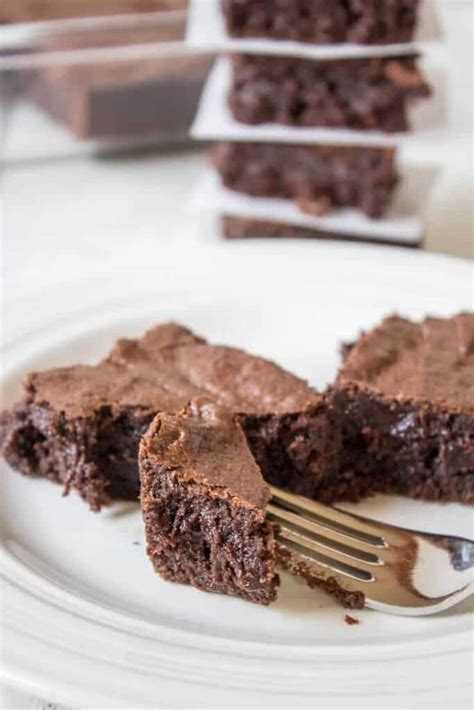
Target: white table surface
{"points": [[66, 219]]}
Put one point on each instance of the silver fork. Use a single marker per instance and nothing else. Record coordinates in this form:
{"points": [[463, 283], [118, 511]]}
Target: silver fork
{"points": [[399, 571]]}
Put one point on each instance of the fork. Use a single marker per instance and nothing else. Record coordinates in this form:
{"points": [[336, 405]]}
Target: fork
{"points": [[398, 571]]}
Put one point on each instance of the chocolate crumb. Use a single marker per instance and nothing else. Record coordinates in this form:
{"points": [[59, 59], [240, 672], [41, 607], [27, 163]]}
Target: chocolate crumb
{"points": [[351, 620], [316, 207], [402, 75]]}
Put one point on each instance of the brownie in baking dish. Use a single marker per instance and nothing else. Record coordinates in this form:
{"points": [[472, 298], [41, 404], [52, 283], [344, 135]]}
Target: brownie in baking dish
{"points": [[365, 94], [404, 398], [117, 97], [12, 11], [323, 21], [81, 425], [155, 96], [233, 227], [204, 500], [329, 176]]}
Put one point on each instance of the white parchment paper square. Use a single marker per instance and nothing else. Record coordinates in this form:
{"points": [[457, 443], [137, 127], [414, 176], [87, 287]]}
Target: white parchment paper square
{"points": [[403, 223]]}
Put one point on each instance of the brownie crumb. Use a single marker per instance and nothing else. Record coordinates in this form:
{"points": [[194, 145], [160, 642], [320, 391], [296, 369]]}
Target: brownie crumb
{"points": [[317, 207], [315, 578], [351, 620]]}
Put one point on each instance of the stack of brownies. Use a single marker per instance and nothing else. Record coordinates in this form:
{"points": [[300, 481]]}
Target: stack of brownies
{"points": [[312, 99]]}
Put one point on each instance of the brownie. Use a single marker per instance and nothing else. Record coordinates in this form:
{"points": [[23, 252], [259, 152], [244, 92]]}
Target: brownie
{"points": [[325, 176], [248, 228], [399, 418], [401, 413], [323, 21], [405, 400], [39, 10], [204, 502], [218, 424], [365, 94], [81, 425]]}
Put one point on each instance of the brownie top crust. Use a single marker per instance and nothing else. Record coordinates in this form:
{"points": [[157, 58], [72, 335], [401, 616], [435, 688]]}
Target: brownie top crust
{"points": [[431, 361], [163, 371], [205, 444]]}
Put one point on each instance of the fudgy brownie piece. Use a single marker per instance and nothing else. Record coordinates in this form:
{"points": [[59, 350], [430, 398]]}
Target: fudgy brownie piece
{"points": [[365, 94], [245, 228], [323, 21], [203, 500], [81, 425], [364, 178], [405, 401]]}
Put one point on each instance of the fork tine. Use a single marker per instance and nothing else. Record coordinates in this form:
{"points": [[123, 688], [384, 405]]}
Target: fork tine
{"points": [[334, 519], [332, 540], [306, 550]]}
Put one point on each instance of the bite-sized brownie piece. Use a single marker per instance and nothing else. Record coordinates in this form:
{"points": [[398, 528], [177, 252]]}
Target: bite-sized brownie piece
{"points": [[81, 425], [364, 94], [405, 398], [339, 176], [323, 21], [203, 501], [247, 228]]}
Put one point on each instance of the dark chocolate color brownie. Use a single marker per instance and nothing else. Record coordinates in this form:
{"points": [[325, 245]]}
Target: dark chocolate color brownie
{"points": [[81, 425], [204, 502], [245, 228], [405, 400], [364, 94], [323, 21], [401, 413], [363, 178], [400, 417]]}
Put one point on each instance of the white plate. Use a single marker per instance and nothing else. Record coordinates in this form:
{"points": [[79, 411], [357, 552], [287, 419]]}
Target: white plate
{"points": [[87, 622]]}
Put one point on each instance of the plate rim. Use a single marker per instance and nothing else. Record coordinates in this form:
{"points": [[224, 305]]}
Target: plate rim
{"points": [[454, 643]]}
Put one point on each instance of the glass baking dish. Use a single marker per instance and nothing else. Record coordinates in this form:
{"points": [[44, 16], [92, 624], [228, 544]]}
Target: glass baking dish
{"points": [[97, 84]]}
